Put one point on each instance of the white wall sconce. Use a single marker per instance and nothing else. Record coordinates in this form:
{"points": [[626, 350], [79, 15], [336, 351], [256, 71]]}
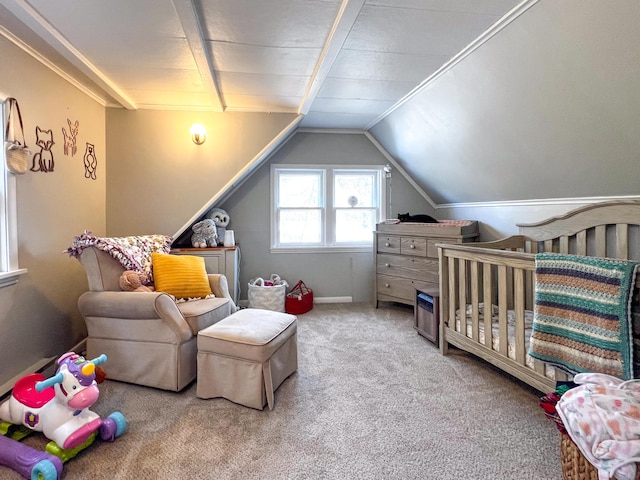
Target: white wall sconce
{"points": [[198, 133]]}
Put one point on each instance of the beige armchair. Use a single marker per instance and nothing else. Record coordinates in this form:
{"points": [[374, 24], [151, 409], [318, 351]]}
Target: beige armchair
{"points": [[148, 338]]}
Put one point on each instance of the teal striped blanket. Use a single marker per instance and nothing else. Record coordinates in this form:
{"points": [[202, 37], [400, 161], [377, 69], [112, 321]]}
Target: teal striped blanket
{"points": [[582, 314]]}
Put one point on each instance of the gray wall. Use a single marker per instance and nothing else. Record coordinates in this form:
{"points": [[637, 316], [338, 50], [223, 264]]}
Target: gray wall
{"points": [[328, 274], [548, 108], [38, 315]]}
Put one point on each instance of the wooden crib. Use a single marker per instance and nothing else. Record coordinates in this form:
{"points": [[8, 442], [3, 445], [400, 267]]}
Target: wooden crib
{"points": [[487, 289]]}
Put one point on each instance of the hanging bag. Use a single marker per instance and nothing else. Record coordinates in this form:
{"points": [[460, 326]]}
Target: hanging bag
{"points": [[299, 299], [16, 153]]}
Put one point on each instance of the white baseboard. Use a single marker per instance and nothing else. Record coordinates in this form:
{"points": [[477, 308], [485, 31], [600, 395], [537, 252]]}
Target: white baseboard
{"points": [[333, 300]]}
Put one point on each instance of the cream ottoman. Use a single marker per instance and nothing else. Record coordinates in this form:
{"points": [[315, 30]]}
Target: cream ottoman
{"points": [[246, 356]]}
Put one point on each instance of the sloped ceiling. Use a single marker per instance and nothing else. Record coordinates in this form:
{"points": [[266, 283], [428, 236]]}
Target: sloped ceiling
{"points": [[477, 100], [548, 108], [342, 64]]}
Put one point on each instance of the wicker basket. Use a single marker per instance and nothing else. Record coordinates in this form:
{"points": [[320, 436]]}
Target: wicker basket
{"points": [[574, 465]]}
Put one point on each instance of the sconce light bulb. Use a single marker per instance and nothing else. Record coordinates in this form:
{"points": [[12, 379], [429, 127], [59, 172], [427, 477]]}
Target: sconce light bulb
{"points": [[198, 133]]}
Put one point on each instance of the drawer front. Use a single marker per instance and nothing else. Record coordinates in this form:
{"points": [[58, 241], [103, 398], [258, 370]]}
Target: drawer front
{"points": [[404, 288], [432, 250], [408, 267], [213, 262], [413, 246], [388, 244]]}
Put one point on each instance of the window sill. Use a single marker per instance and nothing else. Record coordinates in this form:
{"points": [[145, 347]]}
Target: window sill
{"points": [[367, 249], [11, 278]]}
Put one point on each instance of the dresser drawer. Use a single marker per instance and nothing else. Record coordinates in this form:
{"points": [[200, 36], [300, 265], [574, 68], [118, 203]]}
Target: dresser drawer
{"points": [[388, 244], [432, 250], [410, 267], [402, 288], [413, 246]]}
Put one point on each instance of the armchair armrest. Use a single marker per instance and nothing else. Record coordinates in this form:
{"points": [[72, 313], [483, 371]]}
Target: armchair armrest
{"points": [[135, 306], [220, 287]]}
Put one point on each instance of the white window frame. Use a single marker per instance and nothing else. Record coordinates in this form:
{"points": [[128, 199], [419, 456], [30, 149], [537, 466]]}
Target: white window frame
{"points": [[328, 209], [9, 269]]}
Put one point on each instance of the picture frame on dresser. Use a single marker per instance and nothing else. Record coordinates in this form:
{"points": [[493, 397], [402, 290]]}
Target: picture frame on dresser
{"points": [[406, 256]]}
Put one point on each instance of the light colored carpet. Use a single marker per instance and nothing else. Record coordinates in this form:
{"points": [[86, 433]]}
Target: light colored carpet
{"points": [[371, 400]]}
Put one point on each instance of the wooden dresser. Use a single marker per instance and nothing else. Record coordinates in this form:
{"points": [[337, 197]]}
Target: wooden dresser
{"points": [[406, 256]]}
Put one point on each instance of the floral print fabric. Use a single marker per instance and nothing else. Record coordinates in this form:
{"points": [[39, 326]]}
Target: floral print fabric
{"points": [[133, 253], [602, 417]]}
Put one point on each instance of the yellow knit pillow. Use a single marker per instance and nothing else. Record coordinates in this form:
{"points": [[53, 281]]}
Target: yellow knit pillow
{"points": [[183, 276]]}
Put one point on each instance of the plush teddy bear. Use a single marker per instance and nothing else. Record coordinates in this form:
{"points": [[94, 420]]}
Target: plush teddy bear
{"points": [[204, 234], [132, 281], [221, 219]]}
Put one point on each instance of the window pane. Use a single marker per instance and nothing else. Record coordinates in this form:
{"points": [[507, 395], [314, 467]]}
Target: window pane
{"points": [[300, 190], [355, 226], [358, 185], [300, 227]]}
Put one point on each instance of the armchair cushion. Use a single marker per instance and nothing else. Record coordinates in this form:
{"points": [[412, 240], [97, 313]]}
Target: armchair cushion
{"points": [[183, 276]]}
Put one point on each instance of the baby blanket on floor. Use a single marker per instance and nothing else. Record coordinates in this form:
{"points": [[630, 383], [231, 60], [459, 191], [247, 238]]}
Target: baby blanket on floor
{"points": [[602, 417], [582, 314]]}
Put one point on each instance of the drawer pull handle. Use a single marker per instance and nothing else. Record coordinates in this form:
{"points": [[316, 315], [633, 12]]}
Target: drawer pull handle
{"points": [[387, 265], [412, 246], [387, 285], [387, 244]]}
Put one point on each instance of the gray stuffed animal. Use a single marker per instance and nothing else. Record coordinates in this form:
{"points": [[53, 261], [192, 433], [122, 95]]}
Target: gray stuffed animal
{"points": [[204, 234], [221, 219]]}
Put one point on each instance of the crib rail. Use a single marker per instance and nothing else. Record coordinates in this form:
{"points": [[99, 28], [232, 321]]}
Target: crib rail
{"points": [[478, 280]]}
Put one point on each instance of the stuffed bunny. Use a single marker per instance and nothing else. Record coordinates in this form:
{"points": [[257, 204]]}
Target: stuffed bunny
{"points": [[204, 234]]}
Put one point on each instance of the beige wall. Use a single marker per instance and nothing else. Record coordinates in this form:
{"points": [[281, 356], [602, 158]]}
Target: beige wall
{"points": [[158, 178], [38, 315]]}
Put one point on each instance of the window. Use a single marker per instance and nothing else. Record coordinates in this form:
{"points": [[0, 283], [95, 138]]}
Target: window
{"points": [[325, 207], [9, 270]]}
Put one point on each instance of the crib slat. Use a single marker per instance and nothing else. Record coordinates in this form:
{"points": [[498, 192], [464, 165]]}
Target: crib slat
{"points": [[444, 284], [622, 241], [452, 293], [581, 243], [601, 240], [539, 366], [502, 310], [518, 286], [487, 298], [475, 311], [563, 244], [462, 294]]}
